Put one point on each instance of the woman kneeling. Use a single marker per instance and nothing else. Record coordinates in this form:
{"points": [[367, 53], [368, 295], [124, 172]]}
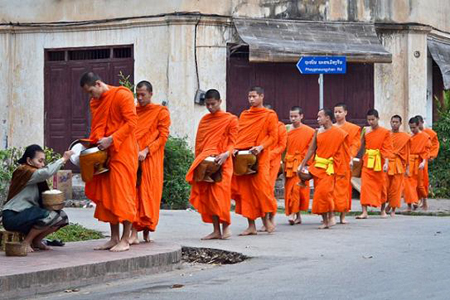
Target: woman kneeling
{"points": [[23, 211]]}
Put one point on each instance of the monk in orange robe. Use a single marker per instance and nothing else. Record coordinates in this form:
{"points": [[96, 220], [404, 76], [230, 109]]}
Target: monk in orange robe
{"points": [[216, 136], [343, 184], [398, 165], [276, 153], [377, 143], [434, 151], [327, 147], [257, 131], [299, 137], [152, 133], [113, 125], [420, 151]]}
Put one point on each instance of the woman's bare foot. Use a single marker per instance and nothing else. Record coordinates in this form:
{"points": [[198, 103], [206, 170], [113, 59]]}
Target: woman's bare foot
{"points": [[28, 246], [212, 236], [108, 245], [248, 231], [362, 216], [123, 245]]}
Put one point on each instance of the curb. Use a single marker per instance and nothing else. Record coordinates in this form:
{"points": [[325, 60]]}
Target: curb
{"points": [[82, 270]]}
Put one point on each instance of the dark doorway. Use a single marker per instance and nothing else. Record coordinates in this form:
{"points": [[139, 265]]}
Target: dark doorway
{"points": [[66, 108], [438, 89], [285, 87]]}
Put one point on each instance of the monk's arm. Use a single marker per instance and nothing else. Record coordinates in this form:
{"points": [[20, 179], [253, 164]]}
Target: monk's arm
{"points": [[387, 150], [434, 148], [272, 133], [128, 111], [232, 134], [163, 128], [355, 143], [282, 141], [311, 150]]}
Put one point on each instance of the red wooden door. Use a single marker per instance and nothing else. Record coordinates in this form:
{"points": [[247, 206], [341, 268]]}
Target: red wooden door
{"points": [[67, 115], [285, 87]]}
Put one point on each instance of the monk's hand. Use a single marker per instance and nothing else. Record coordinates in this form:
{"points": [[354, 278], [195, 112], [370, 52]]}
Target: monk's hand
{"points": [[235, 152], [67, 155], [221, 158], [256, 150], [407, 171], [105, 143], [143, 154], [351, 162], [422, 165], [386, 166]]}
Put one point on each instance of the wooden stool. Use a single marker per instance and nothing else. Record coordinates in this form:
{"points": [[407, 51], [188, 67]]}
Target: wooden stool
{"points": [[9, 236]]}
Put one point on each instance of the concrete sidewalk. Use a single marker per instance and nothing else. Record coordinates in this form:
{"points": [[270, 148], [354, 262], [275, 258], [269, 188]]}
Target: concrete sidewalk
{"points": [[77, 264]]}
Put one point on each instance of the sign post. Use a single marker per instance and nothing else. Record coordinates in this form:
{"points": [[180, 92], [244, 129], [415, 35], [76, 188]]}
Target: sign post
{"points": [[322, 65]]}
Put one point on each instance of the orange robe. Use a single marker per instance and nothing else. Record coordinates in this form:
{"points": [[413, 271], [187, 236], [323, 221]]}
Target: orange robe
{"points": [[372, 176], [397, 168], [296, 198], [114, 192], [253, 193], [216, 134], [420, 150], [276, 152], [152, 132], [330, 146], [343, 184], [434, 151]]}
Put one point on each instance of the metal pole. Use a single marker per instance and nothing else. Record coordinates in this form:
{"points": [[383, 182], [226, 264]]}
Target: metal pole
{"points": [[321, 91]]}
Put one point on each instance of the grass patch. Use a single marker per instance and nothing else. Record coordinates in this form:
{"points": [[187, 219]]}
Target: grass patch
{"points": [[75, 233]]}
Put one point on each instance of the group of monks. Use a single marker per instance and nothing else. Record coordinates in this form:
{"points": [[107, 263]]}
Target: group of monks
{"points": [[394, 163]]}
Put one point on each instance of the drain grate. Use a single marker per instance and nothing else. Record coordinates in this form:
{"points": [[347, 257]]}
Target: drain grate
{"points": [[211, 256]]}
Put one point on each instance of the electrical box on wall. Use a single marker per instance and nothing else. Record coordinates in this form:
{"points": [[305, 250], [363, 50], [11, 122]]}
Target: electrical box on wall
{"points": [[200, 97]]}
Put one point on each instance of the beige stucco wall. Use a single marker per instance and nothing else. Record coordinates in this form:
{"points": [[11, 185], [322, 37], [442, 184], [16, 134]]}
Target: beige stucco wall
{"points": [[430, 12], [5, 87], [164, 54]]}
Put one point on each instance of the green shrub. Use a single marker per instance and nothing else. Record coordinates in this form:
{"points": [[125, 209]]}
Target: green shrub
{"points": [[74, 233], [177, 160], [439, 168]]}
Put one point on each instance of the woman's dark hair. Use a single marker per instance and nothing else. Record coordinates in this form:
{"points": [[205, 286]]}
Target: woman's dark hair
{"points": [[30, 152]]}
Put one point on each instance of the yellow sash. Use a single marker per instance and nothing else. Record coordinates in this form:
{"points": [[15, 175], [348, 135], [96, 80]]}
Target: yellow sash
{"points": [[324, 163], [374, 159]]}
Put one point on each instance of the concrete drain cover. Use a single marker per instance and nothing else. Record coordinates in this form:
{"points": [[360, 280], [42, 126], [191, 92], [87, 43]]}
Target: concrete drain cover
{"points": [[211, 256]]}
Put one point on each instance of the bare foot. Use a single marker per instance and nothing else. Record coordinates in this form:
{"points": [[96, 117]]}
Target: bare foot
{"points": [[108, 245], [298, 221], [212, 236], [291, 222], [226, 233], [134, 240], [332, 221], [29, 248], [262, 229], [324, 227], [415, 206], [424, 207], [343, 221], [120, 247], [147, 236], [408, 209], [361, 216], [392, 213], [248, 231], [41, 246], [270, 227], [383, 215]]}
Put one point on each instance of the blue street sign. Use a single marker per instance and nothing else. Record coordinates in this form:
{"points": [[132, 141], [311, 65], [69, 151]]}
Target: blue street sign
{"points": [[322, 65]]}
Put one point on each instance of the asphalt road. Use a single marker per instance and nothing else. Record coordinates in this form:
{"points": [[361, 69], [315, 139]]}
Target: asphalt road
{"points": [[400, 258]]}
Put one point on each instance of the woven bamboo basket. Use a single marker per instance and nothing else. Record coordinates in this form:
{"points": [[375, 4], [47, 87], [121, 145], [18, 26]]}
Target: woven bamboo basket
{"points": [[9, 236], [53, 200], [15, 249]]}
